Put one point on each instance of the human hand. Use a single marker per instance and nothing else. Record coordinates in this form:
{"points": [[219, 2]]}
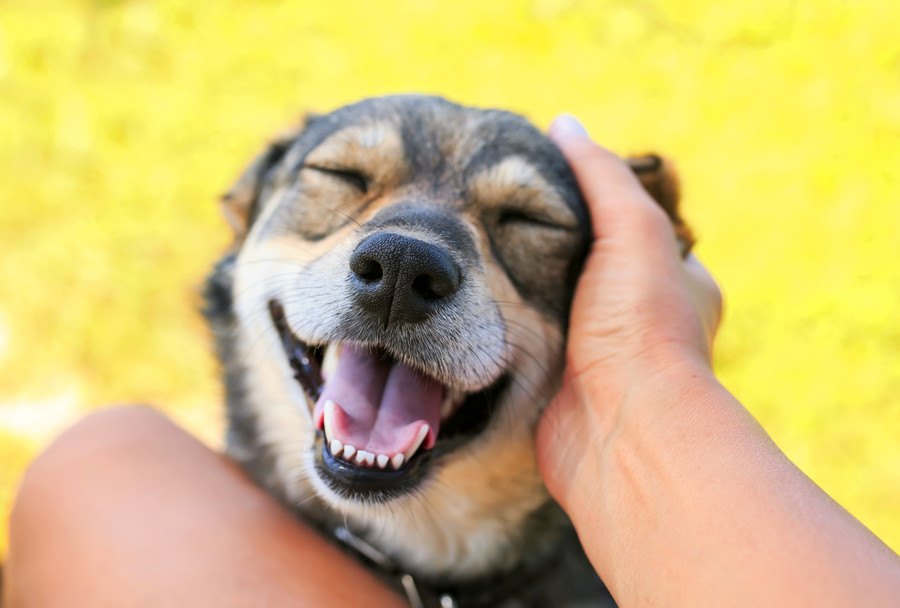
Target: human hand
{"points": [[640, 313]]}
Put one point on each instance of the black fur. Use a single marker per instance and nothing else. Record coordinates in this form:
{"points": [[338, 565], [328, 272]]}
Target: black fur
{"points": [[547, 284]]}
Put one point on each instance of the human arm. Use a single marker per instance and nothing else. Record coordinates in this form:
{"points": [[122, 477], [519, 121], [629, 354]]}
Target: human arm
{"points": [[126, 509], [678, 495]]}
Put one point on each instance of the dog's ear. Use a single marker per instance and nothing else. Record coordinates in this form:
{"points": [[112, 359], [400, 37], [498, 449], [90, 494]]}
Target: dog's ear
{"points": [[240, 204], [660, 179]]}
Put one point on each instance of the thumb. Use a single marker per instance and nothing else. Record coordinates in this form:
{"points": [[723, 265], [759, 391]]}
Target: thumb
{"points": [[616, 200]]}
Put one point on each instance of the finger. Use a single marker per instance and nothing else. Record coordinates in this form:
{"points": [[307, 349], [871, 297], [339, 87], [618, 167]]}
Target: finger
{"points": [[617, 202], [561, 438], [706, 293]]}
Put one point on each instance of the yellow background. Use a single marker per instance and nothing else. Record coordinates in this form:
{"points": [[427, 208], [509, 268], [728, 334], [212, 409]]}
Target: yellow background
{"points": [[121, 122]]}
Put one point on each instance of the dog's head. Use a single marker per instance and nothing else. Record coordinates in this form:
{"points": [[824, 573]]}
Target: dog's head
{"points": [[397, 314]]}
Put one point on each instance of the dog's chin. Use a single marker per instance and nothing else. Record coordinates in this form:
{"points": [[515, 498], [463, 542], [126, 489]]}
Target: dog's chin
{"points": [[404, 422]]}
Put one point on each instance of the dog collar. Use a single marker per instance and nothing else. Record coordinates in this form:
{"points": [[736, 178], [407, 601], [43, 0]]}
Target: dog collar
{"points": [[418, 595], [563, 577]]}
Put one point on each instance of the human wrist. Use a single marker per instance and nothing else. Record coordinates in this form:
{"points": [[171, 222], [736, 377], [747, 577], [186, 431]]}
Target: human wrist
{"points": [[623, 412], [655, 376]]}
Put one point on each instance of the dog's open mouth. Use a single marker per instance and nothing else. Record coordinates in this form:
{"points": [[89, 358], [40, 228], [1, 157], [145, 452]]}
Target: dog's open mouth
{"points": [[379, 420]]}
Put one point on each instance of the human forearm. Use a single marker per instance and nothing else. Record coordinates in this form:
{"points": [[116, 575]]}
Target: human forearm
{"points": [[126, 509], [678, 496], [682, 493]]}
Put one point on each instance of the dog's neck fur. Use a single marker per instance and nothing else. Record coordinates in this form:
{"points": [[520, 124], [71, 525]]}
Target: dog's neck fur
{"points": [[541, 564], [564, 578], [482, 509]]}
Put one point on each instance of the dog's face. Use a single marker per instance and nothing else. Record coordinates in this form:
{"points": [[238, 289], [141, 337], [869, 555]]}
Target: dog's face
{"points": [[399, 300]]}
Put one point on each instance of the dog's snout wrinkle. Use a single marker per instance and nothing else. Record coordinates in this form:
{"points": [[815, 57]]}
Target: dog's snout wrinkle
{"points": [[401, 279]]}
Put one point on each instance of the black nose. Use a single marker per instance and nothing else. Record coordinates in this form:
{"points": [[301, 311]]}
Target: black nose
{"points": [[401, 279]]}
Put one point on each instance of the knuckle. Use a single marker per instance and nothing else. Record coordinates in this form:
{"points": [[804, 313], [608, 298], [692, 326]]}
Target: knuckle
{"points": [[650, 218]]}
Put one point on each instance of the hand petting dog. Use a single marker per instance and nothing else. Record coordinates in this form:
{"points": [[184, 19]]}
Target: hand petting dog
{"points": [[677, 494], [638, 310]]}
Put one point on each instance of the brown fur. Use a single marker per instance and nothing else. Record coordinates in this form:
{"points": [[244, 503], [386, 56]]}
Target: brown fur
{"points": [[515, 222]]}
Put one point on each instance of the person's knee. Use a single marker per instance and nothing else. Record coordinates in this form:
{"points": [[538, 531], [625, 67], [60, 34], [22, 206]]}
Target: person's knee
{"points": [[79, 455], [93, 492]]}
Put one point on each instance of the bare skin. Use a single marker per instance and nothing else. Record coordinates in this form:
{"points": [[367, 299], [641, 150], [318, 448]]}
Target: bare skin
{"points": [[126, 509], [678, 495]]}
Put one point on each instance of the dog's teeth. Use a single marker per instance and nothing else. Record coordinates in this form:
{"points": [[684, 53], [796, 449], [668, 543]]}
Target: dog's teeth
{"points": [[329, 361], [349, 451], [329, 419], [382, 460], [452, 400], [423, 432], [336, 447], [397, 461], [364, 457], [446, 407]]}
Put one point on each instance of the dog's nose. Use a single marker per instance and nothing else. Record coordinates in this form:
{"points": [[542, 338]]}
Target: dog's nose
{"points": [[401, 279]]}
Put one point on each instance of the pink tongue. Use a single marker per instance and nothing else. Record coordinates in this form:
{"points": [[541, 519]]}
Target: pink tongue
{"points": [[381, 405]]}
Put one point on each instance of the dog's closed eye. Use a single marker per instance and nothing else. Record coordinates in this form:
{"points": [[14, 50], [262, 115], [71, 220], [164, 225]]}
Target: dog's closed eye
{"points": [[417, 260], [353, 177], [514, 217]]}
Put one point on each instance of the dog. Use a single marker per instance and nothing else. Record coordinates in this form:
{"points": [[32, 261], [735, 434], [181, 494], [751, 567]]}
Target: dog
{"points": [[391, 321]]}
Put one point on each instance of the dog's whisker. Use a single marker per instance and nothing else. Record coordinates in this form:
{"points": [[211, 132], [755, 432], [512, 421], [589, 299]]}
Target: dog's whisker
{"points": [[251, 320], [272, 262], [288, 287], [358, 313]]}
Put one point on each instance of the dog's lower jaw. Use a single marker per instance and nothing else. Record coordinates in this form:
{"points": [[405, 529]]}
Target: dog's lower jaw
{"points": [[447, 529], [463, 540]]}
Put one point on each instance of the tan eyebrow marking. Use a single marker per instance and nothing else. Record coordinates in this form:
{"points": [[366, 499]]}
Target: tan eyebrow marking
{"points": [[375, 149], [516, 181]]}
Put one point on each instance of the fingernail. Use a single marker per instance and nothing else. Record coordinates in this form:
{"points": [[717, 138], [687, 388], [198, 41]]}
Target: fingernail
{"points": [[566, 126]]}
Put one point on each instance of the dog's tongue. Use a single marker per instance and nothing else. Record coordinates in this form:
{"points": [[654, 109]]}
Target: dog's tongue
{"points": [[380, 405]]}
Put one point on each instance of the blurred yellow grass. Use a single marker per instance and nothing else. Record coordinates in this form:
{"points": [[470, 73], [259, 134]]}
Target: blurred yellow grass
{"points": [[121, 122]]}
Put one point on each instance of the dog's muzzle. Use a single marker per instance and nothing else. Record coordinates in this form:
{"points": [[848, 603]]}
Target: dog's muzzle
{"points": [[378, 412]]}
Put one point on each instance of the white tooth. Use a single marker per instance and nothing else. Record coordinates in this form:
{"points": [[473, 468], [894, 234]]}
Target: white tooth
{"points": [[329, 419], [382, 460], [446, 406], [329, 361], [423, 432], [361, 456], [397, 461], [336, 447], [370, 458], [452, 400], [349, 451]]}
